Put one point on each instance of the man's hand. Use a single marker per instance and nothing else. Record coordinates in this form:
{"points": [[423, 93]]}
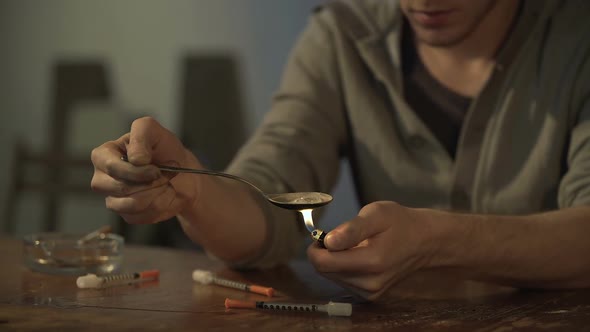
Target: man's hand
{"points": [[382, 245], [137, 190], [386, 242]]}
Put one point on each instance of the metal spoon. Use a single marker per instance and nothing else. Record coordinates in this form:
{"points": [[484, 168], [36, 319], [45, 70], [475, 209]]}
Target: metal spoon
{"points": [[290, 201]]}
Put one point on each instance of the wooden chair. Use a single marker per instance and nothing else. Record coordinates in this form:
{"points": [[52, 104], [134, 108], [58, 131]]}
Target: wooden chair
{"points": [[72, 82]]}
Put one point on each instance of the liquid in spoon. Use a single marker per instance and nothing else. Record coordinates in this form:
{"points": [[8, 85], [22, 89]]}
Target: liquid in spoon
{"points": [[300, 200]]}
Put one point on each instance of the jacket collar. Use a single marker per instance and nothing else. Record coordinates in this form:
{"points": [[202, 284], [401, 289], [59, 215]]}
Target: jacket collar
{"points": [[379, 43]]}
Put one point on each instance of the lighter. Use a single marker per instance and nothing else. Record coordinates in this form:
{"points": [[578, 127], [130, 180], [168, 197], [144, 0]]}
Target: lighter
{"points": [[318, 235]]}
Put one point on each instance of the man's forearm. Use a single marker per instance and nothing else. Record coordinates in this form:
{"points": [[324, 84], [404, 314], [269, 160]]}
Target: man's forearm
{"points": [[226, 219], [546, 250]]}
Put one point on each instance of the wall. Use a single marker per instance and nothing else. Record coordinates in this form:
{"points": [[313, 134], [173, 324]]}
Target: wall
{"points": [[142, 40]]}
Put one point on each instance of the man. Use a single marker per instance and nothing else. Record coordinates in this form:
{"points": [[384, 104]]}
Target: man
{"points": [[467, 125]]}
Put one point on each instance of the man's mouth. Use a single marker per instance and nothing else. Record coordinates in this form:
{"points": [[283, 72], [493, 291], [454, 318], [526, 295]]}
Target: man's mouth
{"points": [[431, 18]]}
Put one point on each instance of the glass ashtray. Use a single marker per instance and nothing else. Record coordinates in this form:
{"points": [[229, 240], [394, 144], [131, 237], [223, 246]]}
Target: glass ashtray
{"points": [[63, 253]]}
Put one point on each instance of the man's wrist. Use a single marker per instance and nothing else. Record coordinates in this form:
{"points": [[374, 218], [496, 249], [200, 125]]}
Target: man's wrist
{"points": [[449, 237]]}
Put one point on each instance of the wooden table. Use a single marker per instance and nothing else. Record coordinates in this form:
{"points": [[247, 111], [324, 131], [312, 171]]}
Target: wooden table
{"points": [[426, 302]]}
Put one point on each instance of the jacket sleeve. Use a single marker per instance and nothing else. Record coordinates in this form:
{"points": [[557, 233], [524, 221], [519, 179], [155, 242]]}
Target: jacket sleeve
{"points": [[574, 188], [297, 147]]}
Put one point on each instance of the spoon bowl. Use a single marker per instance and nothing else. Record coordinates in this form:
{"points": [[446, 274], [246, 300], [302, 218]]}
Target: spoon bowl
{"points": [[299, 200], [290, 201]]}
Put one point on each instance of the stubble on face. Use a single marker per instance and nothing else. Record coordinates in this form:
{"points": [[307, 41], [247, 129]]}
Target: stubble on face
{"points": [[445, 23]]}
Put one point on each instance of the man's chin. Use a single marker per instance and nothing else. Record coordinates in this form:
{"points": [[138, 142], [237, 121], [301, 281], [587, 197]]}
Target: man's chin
{"points": [[438, 39]]}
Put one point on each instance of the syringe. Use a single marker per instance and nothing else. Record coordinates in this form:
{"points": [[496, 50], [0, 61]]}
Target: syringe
{"points": [[93, 281], [207, 277], [331, 308]]}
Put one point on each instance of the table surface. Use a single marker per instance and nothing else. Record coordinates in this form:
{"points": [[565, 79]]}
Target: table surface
{"points": [[425, 302]]}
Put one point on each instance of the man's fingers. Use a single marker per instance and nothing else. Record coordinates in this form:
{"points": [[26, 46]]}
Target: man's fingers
{"points": [[368, 286], [360, 258], [107, 159], [144, 135], [353, 232], [351, 285], [159, 200], [147, 217], [105, 184]]}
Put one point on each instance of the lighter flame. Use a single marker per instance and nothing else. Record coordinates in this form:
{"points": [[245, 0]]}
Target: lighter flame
{"points": [[308, 218]]}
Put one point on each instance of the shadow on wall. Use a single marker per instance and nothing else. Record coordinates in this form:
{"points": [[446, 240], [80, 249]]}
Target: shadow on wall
{"points": [[212, 108]]}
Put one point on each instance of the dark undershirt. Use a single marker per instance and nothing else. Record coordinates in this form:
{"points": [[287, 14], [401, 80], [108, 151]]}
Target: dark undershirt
{"points": [[441, 109]]}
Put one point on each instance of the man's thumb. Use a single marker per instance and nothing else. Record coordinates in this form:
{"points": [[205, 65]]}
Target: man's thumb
{"points": [[138, 154], [345, 236], [139, 148]]}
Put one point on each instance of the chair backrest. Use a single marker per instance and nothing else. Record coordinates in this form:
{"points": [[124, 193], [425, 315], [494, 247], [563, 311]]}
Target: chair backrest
{"points": [[74, 81], [212, 112]]}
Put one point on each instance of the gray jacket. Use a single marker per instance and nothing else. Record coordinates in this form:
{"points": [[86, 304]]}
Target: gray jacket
{"points": [[524, 146]]}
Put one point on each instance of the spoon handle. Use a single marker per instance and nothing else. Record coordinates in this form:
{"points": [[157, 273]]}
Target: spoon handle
{"points": [[203, 171], [207, 172]]}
